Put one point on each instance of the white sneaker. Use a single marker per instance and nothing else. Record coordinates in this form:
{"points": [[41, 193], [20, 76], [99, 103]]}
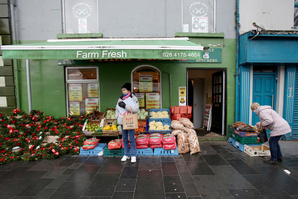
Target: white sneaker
{"points": [[124, 158], [133, 159]]}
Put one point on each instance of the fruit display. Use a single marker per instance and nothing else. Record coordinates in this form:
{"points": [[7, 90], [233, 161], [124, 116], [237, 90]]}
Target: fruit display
{"points": [[92, 127], [110, 127]]}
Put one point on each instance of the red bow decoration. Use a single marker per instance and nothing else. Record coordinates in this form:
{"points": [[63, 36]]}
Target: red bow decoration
{"points": [[55, 152], [15, 111]]}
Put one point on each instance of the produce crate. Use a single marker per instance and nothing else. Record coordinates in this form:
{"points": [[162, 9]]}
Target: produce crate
{"points": [[244, 140], [144, 152], [181, 109], [88, 133], [115, 152], [164, 121], [231, 140], [261, 150], [175, 109], [245, 134], [93, 152], [162, 152], [186, 109], [231, 129], [99, 116], [110, 132], [109, 120], [161, 110], [238, 145]]}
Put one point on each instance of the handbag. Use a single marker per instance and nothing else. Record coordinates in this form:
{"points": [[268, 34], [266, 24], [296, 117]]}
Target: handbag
{"points": [[130, 121], [262, 135]]}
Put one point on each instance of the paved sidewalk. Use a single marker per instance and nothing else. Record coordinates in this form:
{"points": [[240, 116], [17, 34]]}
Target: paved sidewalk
{"points": [[219, 171]]}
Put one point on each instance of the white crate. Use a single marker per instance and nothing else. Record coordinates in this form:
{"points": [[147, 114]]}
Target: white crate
{"points": [[261, 150]]}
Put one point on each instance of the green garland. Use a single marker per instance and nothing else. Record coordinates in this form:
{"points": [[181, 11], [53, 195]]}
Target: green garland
{"points": [[22, 136]]}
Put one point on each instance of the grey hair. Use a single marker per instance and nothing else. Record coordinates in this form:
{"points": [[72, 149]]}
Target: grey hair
{"points": [[254, 106]]}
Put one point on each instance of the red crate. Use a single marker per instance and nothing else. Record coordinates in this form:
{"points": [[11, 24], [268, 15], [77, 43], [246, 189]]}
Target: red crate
{"points": [[189, 109], [175, 109], [186, 115], [183, 109], [176, 116]]}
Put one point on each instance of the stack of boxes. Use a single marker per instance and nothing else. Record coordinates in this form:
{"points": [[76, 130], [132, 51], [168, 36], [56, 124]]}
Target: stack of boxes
{"points": [[247, 142], [178, 112]]}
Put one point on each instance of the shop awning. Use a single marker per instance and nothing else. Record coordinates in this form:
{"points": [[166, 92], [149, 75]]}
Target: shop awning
{"points": [[123, 48]]}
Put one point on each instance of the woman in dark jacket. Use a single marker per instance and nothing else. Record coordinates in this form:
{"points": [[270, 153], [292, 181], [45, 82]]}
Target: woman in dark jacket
{"points": [[121, 109]]}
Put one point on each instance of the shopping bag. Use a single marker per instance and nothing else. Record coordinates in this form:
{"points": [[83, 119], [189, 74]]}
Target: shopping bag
{"points": [[130, 121], [262, 134]]}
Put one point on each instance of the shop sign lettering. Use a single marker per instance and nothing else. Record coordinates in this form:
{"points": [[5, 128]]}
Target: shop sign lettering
{"points": [[105, 54]]}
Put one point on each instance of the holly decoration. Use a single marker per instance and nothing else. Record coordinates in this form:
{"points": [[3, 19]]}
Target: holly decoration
{"points": [[24, 137]]}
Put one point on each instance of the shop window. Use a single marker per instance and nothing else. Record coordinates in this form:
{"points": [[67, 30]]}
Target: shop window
{"points": [[147, 87], [82, 87]]}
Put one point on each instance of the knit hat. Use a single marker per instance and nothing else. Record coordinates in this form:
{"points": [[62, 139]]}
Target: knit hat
{"points": [[127, 86]]}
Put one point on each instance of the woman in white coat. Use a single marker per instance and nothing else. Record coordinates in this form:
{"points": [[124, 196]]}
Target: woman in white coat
{"points": [[127, 134], [273, 121]]}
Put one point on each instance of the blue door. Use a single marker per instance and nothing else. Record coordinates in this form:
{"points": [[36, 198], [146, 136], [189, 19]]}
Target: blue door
{"points": [[264, 85]]}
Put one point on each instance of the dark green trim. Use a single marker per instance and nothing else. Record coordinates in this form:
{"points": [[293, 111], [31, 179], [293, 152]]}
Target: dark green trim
{"points": [[199, 35], [7, 62], [79, 35], [6, 91], [6, 70], [9, 81], [11, 101]]}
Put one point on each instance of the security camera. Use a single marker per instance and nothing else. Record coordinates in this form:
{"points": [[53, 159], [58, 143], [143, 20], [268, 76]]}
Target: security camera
{"points": [[259, 27]]}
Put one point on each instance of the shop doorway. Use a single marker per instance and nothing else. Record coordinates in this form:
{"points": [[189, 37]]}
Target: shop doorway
{"points": [[207, 87]]}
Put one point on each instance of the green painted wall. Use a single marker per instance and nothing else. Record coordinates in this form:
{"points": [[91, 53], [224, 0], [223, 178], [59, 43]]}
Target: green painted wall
{"points": [[47, 87], [48, 80]]}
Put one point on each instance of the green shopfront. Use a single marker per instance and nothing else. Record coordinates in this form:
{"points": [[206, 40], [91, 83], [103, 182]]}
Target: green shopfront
{"points": [[73, 76]]}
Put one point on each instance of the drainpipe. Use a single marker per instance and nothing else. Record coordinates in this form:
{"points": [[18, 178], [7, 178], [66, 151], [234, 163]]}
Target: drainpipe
{"points": [[28, 84], [15, 62], [237, 74]]}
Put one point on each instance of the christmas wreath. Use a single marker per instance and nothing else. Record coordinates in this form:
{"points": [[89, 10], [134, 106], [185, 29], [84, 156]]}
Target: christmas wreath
{"points": [[26, 137]]}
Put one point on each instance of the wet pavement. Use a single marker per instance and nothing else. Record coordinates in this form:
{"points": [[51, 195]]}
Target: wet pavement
{"points": [[219, 171]]}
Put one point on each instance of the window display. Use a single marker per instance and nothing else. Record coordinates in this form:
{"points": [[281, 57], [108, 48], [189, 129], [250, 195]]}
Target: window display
{"points": [[146, 85], [82, 90]]}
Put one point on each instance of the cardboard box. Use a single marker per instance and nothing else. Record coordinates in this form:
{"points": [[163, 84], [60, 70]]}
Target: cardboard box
{"points": [[261, 150]]}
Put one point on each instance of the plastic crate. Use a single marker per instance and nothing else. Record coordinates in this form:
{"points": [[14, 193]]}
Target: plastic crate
{"points": [[162, 152], [164, 121], [175, 109], [93, 152], [231, 129], [161, 110], [244, 140], [240, 146], [245, 134], [144, 152], [231, 140], [115, 152]]}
